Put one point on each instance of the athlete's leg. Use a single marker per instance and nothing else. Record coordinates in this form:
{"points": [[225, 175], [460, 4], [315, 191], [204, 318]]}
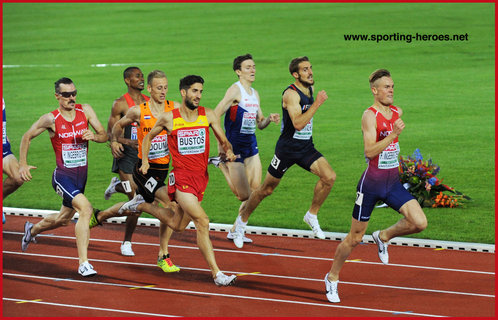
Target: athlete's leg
{"points": [[353, 238], [192, 207], [82, 231], [266, 189], [239, 180], [226, 173], [131, 221], [13, 181], [165, 232], [327, 176], [54, 221], [414, 221], [253, 171]]}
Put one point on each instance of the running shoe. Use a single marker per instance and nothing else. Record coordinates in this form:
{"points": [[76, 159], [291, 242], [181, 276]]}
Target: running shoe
{"points": [[111, 189], [314, 225], [382, 247], [238, 238], [214, 161], [27, 238], [86, 269], [126, 249], [166, 264], [93, 219], [231, 236], [224, 280], [132, 204], [331, 290]]}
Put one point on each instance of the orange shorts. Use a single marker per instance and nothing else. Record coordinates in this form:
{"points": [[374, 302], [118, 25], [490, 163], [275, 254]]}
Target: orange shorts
{"points": [[193, 182]]}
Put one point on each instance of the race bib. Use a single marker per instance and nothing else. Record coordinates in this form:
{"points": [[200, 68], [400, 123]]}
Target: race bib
{"points": [[133, 133], [74, 155], [159, 147], [192, 141], [248, 123], [4, 132], [306, 133], [388, 159]]}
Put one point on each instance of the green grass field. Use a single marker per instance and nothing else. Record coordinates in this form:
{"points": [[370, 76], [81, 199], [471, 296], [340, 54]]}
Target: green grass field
{"points": [[445, 88]]}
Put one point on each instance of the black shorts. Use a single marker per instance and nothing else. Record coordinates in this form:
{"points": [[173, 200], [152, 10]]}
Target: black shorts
{"points": [[284, 160], [127, 162], [148, 184]]}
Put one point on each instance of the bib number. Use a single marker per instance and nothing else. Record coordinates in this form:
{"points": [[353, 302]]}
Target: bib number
{"points": [[74, 155]]}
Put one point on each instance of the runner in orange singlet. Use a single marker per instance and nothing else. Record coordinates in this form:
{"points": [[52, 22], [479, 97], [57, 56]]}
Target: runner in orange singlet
{"points": [[150, 187], [188, 130]]}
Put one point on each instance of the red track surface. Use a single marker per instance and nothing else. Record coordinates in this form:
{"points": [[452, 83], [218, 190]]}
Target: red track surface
{"points": [[286, 280]]}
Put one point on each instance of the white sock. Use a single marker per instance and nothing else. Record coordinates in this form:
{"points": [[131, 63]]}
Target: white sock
{"points": [[240, 222], [311, 215]]}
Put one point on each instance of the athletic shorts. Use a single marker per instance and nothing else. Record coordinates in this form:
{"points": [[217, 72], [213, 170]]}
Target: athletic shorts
{"points": [[284, 160], [245, 150], [148, 184], [6, 149], [194, 182], [127, 162], [67, 187], [393, 194]]}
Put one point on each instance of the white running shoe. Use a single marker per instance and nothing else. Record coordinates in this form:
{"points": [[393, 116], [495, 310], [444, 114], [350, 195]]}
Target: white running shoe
{"points": [[214, 161], [231, 236], [238, 239], [27, 238], [126, 249], [314, 225], [132, 204], [86, 269], [331, 290], [382, 246], [111, 189], [224, 280]]}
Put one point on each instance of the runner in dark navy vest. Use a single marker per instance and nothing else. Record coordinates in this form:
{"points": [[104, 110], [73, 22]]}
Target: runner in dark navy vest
{"points": [[295, 146]]}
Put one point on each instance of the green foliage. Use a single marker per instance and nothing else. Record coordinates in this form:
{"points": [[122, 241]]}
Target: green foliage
{"points": [[446, 90]]}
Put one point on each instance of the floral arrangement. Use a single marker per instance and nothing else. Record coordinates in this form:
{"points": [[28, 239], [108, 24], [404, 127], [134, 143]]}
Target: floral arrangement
{"points": [[419, 177]]}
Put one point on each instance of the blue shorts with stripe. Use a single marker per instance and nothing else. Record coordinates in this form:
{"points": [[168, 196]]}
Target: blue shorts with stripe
{"points": [[67, 186], [369, 191], [6, 149]]}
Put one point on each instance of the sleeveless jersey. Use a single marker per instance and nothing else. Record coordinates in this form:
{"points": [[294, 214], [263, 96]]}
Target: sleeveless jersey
{"points": [[189, 142], [130, 132], [71, 151], [158, 152], [240, 121], [291, 139], [4, 124], [388, 158]]}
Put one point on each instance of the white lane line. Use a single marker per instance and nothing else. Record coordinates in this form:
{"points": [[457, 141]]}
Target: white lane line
{"points": [[270, 254], [261, 275], [329, 305], [85, 307]]}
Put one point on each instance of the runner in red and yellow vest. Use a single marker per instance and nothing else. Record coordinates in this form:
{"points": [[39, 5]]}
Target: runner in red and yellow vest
{"points": [[189, 142], [158, 152]]}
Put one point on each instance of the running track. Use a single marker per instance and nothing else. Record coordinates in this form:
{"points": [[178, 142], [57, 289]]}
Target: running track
{"points": [[280, 277]]}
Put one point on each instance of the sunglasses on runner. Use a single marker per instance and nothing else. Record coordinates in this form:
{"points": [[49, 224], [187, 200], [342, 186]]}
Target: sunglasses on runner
{"points": [[68, 94]]}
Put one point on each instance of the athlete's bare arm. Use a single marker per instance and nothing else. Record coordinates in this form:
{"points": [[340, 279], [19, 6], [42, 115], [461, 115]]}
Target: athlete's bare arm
{"points": [[119, 110], [100, 135], [164, 122], [214, 123], [260, 118], [291, 103], [46, 122], [369, 128], [133, 115]]}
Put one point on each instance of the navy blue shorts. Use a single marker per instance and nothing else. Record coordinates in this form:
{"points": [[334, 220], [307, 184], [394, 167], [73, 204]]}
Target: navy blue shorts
{"points": [[393, 194], [67, 187], [282, 161], [246, 150], [6, 149]]}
